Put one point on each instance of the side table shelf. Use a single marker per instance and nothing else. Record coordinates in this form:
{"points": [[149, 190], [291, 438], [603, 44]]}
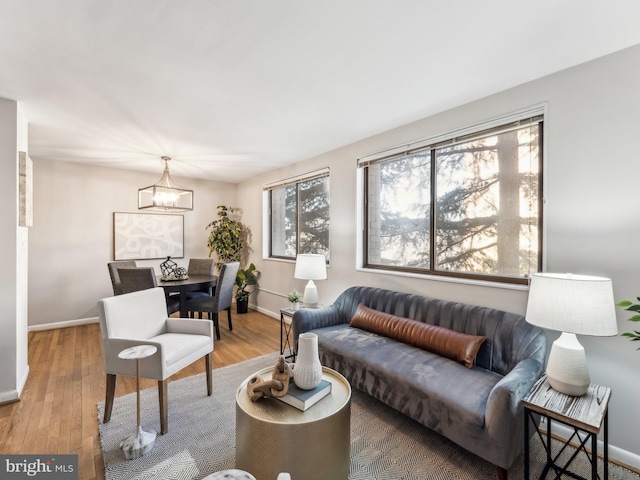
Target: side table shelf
{"points": [[586, 415]]}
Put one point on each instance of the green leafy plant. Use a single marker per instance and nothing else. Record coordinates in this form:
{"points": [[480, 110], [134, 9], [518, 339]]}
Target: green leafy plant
{"points": [[635, 309], [295, 296], [226, 239], [244, 279]]}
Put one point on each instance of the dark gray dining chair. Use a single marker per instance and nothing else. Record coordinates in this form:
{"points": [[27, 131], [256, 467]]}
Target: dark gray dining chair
{"points": [[201, 266], [221, 299], [143, 278], [113, 273]]}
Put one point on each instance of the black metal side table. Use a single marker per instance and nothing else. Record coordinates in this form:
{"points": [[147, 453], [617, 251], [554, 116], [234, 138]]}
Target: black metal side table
{"points": [[586, 415], [286, 319]]}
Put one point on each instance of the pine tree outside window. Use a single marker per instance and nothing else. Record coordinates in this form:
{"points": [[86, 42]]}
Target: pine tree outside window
{"points": [[465, 206], [299, 216]]}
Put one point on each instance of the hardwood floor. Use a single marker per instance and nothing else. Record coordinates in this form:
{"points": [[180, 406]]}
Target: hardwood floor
{"points": [[57, 412]]}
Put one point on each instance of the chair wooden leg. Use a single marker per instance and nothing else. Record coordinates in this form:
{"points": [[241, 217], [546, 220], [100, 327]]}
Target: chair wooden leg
{"points": [[164, 406], [108, 402], [216, 324], [207, 366], [502, 474], [229, 316]]}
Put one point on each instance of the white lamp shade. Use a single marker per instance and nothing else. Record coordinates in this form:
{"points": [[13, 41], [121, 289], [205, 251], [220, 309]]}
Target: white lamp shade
{"points": [[570, 303], [310, 266]]}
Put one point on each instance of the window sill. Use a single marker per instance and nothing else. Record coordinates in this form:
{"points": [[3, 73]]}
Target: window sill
{"points": [[440, 278]]}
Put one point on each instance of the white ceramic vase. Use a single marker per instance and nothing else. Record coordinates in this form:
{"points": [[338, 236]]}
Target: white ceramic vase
{"points": [[307, 372]]}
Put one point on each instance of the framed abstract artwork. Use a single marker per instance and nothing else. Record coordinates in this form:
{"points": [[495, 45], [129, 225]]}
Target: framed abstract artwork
{"points": [[138, 236]]}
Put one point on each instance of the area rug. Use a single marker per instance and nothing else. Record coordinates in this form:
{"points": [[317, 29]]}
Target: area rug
{"points": [[201, 439]]}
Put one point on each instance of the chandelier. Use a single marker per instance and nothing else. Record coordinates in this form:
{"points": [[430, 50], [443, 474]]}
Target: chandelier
{"points": [[165, 195]]}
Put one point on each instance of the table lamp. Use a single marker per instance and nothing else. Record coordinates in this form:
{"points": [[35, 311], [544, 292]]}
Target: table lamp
{"points": [[571, 304], [310, 266]]}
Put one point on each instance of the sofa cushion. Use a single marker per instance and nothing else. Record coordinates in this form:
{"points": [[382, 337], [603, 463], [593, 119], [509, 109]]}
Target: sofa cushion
{"points": [[457, 346]]}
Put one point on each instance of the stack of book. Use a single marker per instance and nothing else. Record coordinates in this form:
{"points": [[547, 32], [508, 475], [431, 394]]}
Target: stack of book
{"points": [[303, 399]]}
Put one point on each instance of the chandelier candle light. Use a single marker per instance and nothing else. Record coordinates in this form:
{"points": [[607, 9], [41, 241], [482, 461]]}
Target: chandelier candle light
{"points": [[310, 266], [571, 304], [165, 195]]}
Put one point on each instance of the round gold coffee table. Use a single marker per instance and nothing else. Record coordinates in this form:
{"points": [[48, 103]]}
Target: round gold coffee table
{"points": [[273, 437]]}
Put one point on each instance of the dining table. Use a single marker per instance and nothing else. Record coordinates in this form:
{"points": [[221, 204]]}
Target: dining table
{"points": [[191, 284]]}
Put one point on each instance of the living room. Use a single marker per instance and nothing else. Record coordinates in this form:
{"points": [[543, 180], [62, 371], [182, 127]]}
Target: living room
{"points": [[591, 114]]}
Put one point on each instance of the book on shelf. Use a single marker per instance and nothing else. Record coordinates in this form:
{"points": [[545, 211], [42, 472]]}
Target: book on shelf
{"points": [[303, 399]]}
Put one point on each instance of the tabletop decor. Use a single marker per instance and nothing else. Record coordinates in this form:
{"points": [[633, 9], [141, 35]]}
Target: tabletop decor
{"points": [[168, 267], [571, 304], [307, 372], [278, 386], [171, 271], [310, 266], [294, 297]]}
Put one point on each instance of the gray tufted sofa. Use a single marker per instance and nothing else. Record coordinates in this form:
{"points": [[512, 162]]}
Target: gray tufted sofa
{"points": [[479, 408]]}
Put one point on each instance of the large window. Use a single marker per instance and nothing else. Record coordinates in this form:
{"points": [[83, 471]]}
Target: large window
{"points": [[466, 207], [299, 216]]}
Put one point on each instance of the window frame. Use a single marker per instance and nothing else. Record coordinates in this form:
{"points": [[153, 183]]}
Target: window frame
{"points": [[534, 116], [268, 189]]}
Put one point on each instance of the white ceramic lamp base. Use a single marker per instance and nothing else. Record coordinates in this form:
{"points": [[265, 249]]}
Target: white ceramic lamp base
{"points": [[310, 298], [138, 443], [567, 366]]}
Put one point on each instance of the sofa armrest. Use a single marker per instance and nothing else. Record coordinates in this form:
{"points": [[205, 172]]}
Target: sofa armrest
{"points": [[307, 319], [506, 397]]}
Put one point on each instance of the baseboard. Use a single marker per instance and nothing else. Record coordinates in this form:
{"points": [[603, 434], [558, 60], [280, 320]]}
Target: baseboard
{"points": [[264, 311], [11, 396], [68, 323]]}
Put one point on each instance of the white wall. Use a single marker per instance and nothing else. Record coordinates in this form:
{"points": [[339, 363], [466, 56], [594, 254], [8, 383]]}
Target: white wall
{"points": [[592, 217], [14, 242], [72, 236]]}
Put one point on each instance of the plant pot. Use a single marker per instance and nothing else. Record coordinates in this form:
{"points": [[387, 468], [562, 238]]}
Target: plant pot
{"points": [[295, 305], [242, 306]]}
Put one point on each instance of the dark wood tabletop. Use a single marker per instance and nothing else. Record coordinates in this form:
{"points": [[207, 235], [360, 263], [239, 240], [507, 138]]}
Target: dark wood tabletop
{"points": [[194, 282]]}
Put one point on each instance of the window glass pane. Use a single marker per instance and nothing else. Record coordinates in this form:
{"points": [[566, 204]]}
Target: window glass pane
{"points": [[487, 205], [399, 210], [314, 216], [283, 221]]}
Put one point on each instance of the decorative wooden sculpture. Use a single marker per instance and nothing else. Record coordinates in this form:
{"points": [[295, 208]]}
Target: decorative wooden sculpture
{"points": [[278, 386]]}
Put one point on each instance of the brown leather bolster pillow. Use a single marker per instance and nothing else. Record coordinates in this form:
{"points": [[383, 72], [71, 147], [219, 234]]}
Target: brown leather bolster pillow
{"points": [[439, 340]]}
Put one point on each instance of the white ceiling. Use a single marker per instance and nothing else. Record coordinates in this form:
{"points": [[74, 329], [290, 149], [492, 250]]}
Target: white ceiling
{"points": [[232, 88]]}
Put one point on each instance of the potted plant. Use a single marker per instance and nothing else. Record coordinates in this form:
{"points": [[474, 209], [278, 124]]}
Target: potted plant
{"points": [[295, 297], [635, 309], [227, 237], [244, 279]]}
